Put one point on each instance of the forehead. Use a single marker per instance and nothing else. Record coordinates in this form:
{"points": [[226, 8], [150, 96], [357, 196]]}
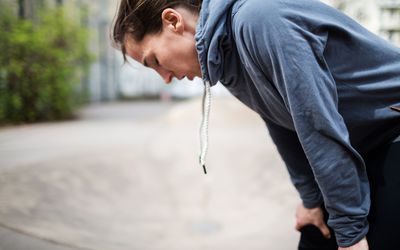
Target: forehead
{"points": [[149, 44]]}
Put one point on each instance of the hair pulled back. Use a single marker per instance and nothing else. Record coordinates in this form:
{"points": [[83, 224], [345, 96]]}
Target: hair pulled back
{"points": [[137, 18]]}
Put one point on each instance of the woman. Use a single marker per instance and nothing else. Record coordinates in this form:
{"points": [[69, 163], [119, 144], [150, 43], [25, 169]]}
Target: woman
{"points": [[323, 84]]}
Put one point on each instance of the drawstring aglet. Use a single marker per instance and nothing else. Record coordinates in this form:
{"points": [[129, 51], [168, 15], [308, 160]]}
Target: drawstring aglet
{"points": [[204, 168], [203, 165]]}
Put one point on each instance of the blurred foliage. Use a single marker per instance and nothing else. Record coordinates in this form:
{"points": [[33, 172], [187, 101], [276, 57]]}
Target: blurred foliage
{"points": [[42, 62]]}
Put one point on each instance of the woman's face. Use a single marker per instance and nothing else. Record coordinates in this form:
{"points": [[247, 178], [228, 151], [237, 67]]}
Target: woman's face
{"points": [[172, 52]]}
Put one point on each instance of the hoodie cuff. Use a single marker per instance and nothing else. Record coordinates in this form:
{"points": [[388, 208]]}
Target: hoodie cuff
{"points": [[348, 235], [311, 197], [313, 203]]}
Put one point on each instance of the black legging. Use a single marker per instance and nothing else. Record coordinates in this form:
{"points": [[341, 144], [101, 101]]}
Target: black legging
{"points": [[383, 167]]}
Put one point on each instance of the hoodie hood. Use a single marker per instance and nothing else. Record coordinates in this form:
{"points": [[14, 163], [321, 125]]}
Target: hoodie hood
{"points": [[213, 38]]}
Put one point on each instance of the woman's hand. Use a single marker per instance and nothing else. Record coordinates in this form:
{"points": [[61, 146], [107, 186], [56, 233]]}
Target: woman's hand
{"points": [[313, 216], [361, 245]]}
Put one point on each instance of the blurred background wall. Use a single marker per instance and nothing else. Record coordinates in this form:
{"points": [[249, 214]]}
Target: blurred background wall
{"points": [[380, 16]]}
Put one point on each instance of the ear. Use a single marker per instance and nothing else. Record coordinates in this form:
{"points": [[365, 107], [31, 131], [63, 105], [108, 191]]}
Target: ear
{"points": [[172, 20]]}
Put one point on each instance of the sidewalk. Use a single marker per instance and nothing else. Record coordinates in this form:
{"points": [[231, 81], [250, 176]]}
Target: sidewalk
{"points": [[126, 176]]}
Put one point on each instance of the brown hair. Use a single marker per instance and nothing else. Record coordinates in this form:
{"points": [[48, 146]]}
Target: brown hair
{"points": [[137, 18]]}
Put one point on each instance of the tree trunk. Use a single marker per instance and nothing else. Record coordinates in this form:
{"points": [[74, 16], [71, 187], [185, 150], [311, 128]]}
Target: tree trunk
{"points": [[21, 9]]}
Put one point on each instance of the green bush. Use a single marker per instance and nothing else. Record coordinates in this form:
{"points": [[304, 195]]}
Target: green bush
{"points": [[42, 62]]}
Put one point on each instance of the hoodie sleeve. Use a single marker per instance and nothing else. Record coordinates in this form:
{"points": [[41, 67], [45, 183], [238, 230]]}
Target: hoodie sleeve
{"points": [[299, 169], [275, 43]]}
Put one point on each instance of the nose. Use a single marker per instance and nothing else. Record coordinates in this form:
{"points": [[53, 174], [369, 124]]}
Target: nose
{"points": [[166, 75]]}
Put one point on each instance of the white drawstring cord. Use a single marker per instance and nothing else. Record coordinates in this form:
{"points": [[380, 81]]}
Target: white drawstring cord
{"points": [[206, 106]]}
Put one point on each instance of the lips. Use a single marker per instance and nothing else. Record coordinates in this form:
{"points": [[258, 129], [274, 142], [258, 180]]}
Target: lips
{"points": [[179, 77]]}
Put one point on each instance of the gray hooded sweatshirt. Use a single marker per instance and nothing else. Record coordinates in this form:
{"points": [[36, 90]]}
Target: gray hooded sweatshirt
{"points": [[322, 83]]}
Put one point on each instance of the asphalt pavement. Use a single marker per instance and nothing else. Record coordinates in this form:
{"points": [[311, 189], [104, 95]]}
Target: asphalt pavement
{"points": [[125, 176]]}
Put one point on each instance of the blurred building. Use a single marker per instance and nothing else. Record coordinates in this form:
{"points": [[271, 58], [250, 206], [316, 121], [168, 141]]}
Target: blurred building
{"points": [[102, 83], [379, 16], [390, 20]]}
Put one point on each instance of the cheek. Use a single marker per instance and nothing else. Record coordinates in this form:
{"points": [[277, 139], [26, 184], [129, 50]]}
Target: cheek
{"points": [[176, 59], [179, 56], [190, 56]]}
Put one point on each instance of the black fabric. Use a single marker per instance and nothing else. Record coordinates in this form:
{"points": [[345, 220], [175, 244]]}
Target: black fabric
{"points": [[311, 238], [383, 168], [384, 174]]}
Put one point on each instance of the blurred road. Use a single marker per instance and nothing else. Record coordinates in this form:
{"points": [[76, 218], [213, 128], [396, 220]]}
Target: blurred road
{"points": [[125, 177]]}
